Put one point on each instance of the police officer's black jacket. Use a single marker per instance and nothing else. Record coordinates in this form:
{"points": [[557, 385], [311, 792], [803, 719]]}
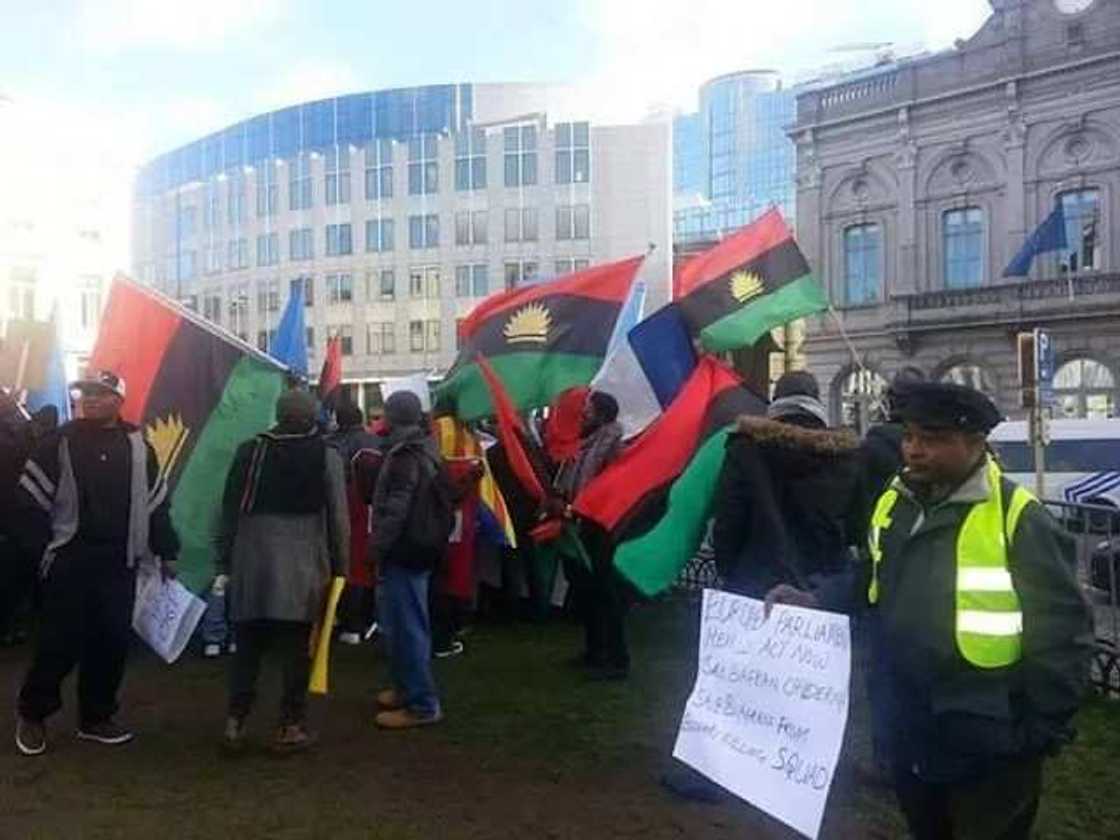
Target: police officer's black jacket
{"points": [[953, 719]]}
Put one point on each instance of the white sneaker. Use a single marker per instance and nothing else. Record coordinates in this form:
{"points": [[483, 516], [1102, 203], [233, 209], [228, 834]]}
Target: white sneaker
{"points": [[350, 638], [373, 628], [456, 648], [212, 651], [232, 649]]}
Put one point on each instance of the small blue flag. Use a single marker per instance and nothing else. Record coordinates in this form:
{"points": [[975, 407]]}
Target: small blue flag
{"points": [[55, 390], [290, 345], [1050, 236]]}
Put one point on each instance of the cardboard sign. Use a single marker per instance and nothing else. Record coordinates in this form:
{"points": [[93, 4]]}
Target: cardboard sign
{"points": [[766, 718]]}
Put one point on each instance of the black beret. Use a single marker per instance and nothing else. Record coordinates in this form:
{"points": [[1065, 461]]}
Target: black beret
{"points": [[938, 405]]}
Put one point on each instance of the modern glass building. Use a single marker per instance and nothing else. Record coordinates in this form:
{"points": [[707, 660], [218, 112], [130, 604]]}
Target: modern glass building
{"points": [[746, 161], [397, 211]]}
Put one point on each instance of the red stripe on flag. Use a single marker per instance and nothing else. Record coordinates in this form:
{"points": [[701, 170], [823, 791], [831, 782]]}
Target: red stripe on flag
{"points": [[136, 329], [511, 432], [659, 456], [330, 377], [610, 283], [737, 250]]}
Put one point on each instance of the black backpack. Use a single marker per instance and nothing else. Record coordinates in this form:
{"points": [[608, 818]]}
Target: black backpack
{"points": [[432, 518]]}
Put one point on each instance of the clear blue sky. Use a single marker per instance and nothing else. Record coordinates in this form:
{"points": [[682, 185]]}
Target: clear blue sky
{"points": [[168, 71]]}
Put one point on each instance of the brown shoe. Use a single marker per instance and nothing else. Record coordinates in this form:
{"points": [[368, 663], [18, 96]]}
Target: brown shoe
{"points": [[406, 719], [292, 739], [389, 700]]}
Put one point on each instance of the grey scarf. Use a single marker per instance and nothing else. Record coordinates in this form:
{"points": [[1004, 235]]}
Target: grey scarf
{"points": [[797, 404]]}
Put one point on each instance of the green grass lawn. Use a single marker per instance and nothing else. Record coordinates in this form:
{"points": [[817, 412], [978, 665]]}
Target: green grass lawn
{"points": [[529, 750]]}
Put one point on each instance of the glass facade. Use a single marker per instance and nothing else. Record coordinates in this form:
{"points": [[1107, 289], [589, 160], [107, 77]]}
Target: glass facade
{"points": [[735, 155], [314, 126]]}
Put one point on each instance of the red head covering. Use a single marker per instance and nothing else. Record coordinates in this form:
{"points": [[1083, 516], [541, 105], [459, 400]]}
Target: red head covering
{"points": [[565, 422]]}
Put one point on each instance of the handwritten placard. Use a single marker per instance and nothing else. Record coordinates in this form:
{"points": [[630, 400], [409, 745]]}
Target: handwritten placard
{"points": [[767, 715], [165, 615]]}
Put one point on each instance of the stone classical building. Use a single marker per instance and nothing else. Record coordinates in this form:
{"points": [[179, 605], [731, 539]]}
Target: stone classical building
{"points": [[919, 180]]}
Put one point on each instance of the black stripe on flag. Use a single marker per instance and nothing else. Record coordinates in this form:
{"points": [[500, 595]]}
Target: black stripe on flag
{"points": [[578, 326], [782, 264]]}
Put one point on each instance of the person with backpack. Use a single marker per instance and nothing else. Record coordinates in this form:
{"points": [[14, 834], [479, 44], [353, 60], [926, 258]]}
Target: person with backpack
{"points": [[413, 516], [285, 534]]}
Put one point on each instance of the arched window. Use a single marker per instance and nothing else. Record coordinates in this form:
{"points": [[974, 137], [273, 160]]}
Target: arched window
{"points": [[1082, 209], [1085, 388], [962, 234], [861, 397], [972, 376], [863, 251]]}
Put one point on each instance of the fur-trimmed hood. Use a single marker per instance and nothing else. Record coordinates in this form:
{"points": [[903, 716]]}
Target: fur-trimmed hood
{"points": [[826, 442]]}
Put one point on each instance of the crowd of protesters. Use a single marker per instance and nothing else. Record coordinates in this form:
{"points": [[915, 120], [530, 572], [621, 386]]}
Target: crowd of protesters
{"points": [[974, 626]]}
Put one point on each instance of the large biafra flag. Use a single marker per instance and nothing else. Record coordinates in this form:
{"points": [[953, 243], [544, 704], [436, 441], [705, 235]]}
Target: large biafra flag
{"points": [[540, 339], [197, 393]]}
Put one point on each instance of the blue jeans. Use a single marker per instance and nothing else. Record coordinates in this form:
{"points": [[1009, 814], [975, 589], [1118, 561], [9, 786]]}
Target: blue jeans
{"points": [[404, 596], [214, 627]]}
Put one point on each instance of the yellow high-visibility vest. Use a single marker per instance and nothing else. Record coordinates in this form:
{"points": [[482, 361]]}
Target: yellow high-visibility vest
{"points": [[989, 621]]}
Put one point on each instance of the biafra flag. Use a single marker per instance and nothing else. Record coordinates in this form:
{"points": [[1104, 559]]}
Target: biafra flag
{"points": [[541, 339], [656, 499], [197, 393], [752, 281]]}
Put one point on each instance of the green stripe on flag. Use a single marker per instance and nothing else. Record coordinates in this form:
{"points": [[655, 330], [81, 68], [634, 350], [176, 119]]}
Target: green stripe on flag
{"points": [[745, 326], [246, 408], [533, 380], [653, 561]]}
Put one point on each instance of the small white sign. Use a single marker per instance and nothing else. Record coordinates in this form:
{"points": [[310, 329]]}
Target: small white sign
{"points": [[766, 718], [416, 384], [165, 615]]}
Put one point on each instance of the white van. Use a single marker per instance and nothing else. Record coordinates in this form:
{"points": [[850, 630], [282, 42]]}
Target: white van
{"points": [[1082, 459]]}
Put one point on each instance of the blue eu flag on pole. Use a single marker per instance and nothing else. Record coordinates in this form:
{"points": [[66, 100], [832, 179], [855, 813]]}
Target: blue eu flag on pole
{"points": [[290, 345], [1050, 236]]}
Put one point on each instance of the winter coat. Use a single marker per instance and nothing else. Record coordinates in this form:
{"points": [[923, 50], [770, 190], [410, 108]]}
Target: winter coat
{"points": [[361, 454], [952, 720], [597, 451], [411, 454], [786, 506], [880, 461], [285, 527], [87, 485]]}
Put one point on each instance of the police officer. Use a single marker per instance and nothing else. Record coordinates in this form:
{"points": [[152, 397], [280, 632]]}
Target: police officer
{"points": [[987, 636]]}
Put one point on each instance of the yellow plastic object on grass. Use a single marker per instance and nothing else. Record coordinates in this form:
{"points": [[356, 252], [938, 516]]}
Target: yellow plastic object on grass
{"points": [[322, 650]]}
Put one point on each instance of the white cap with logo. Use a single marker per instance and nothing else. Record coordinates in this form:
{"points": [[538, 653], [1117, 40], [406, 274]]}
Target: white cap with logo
{"points": [[101, 380]]}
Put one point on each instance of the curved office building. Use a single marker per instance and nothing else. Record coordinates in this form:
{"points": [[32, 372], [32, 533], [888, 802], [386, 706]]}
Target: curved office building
{"points": [[733, 158], [398, 210]]}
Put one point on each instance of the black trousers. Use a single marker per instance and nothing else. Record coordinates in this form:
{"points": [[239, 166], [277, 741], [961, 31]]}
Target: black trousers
{"points": [[447, 616], [1000, 806], [17, 586], [86, 622], [358, 608], [289, 643], [600, 601]]}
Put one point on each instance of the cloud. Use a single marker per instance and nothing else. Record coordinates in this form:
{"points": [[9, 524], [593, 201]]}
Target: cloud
{"points": [[651, 55], [112, 26], [58, 183]]}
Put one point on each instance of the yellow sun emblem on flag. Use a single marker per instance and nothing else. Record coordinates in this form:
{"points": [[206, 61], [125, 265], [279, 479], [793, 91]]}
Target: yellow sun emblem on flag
{"points": [[745, 286], [167, 437], [530, 325]]}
